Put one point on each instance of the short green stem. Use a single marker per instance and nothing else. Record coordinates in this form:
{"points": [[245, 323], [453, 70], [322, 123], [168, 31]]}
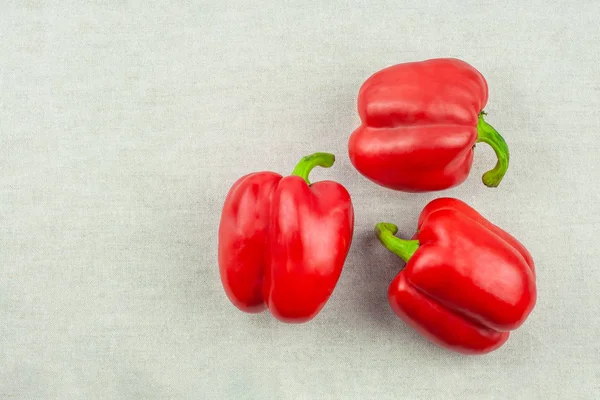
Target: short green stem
{"points": [[402, 248], [307, 163], [487, 134]]}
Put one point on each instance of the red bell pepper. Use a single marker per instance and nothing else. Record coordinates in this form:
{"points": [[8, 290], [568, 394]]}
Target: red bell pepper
{"points": [[466, 284], [283, 241], [420, 123]]}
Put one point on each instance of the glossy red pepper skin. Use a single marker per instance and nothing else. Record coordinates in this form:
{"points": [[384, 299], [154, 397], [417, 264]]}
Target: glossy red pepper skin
{"points": [[420, 123], [283, 242], [467, 283]]}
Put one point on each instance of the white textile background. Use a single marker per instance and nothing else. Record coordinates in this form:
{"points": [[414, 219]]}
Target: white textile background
{"points": [[124, 123]]}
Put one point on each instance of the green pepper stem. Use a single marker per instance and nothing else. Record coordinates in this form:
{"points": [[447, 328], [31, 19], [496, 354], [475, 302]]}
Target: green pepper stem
{"points": [[401, 247], [307, 163], [487, 134]]}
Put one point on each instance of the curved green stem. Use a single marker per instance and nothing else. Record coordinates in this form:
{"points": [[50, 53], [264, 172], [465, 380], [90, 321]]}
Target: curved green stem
{"points": [[307, 163], [487, 134], [402, 248]]}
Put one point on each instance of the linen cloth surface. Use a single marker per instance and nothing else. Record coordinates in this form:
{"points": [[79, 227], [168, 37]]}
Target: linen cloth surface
{"points": [[123, 125]]}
